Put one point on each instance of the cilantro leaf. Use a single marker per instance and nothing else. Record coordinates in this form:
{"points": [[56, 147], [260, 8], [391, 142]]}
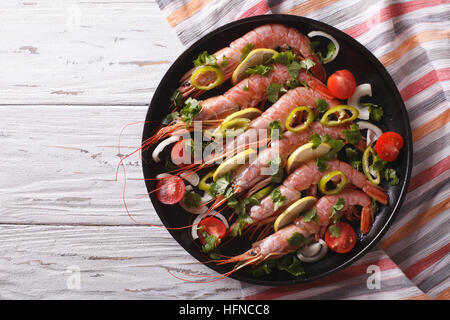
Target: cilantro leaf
{"points": [[307, 64], [334, 230], [259, 69], [219, 187], [321, 165], [191, 108], [285, 58], [322, 105], [376, 112], [352, 158], [276, 168], [205, 59], [311, 215], [170, 117], [277, 198], [210, 242], [336, 210], [176, 98], [224, 61], [297, 239], [353, 136], [276, 130], [291, 264], [192, 199], [391, 176], [273, 91], [246, 50], [315, 139]]}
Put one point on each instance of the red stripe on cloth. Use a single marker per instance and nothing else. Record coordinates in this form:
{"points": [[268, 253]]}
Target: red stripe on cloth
{"points": [[347, 273], [259, 8], [426, 262], [389, 12], [429, 174], [426, 81]]}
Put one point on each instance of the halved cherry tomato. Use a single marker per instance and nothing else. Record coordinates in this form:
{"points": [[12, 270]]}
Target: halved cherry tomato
{"points": [[388, 146], [180, 155], [170, 190], [344, 242], [212, 226], [342, 84]]}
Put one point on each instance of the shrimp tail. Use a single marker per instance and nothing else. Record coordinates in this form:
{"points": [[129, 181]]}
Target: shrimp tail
{"points": [[376, 192], [366, 220]]}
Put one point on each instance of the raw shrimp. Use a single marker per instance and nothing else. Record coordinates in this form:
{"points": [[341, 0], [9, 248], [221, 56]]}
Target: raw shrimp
{"points": [[218, 107], [280, 110], [266, 36], [248, 176], [277, 244], [307, 176]]}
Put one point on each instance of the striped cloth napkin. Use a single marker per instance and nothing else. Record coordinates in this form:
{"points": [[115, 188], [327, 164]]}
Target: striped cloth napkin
{"points": [[412, 40]]}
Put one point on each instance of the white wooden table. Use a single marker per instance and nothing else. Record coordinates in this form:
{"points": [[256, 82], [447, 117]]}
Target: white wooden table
{"points": [[72, 75]]}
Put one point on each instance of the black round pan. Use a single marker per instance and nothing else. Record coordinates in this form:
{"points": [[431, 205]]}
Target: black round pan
{"points": [[366, 69]]}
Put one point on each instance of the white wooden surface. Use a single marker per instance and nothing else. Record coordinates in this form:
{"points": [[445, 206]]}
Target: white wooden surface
{"points": [[72, 74]]}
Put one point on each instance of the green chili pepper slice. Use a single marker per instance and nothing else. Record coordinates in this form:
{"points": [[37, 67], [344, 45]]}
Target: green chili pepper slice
{"points": [[295, 114], [372, 175], [204, 72], [326, 178], [341, 113], [263, 192], [203, 184]]}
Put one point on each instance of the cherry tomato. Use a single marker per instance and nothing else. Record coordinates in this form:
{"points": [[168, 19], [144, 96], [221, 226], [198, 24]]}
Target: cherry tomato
{"points": [[388, 146], [170, 190], [212, 226], [180, 155], [342, 84], [344, 242]]}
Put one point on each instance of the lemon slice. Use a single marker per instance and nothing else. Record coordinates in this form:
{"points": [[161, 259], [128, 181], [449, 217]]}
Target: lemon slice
{"points": [[232, 163], [254, 58], [305, 153], [248, 113], [293, 212]]}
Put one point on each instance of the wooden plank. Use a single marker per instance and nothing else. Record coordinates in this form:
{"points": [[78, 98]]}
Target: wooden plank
{"points": [[59, 163], [71, 262], [85, 52]]}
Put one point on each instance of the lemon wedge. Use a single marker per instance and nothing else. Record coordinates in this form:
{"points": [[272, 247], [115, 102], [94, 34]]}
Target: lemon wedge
{"points": [[293, 212], [248, 113], [232, 163], [305, 153], [254, 58]]}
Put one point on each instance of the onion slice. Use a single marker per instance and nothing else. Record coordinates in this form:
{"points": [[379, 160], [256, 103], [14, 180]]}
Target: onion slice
{"points": [[313, 252], [200, 217], [191, 177], [362, 90], [373, 132], [160, 147], [330, 37]]}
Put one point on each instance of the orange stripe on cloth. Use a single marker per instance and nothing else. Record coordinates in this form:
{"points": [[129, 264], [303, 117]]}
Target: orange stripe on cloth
{"points": [[186, 11], [422, 296], [430, 126], [309, 6], [415, 224], [412, 42], [444, 295], [347, 273]]}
